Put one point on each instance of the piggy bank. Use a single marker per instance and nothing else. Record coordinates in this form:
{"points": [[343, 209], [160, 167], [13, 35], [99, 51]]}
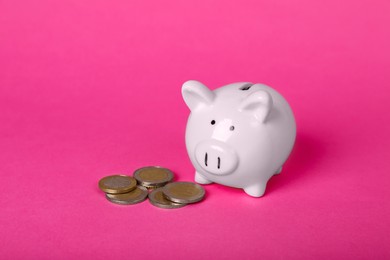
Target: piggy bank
{"points": [[238, 135]]}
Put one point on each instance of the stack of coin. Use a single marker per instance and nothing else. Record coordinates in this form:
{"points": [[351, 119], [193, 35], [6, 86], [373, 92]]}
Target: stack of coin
{"points": [[153, 177], [176, 195], [157, 198], [122, 189]]}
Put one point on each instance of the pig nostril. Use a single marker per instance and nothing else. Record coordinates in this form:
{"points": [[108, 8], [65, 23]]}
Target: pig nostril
{"points": [[205, 159], [219, 162]]}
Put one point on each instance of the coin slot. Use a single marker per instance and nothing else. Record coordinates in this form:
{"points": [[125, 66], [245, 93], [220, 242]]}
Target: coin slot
{"points": [[205, 159], [246, 86], [219, 162]]}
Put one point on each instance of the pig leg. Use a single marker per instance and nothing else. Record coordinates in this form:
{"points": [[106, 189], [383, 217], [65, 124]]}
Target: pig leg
{"points": [[200, 179], [256, 190], [279, 170]]}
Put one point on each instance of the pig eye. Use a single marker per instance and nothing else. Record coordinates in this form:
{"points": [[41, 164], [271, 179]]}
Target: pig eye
{"points": [[231, 128], [213, 122], [246, 86]]}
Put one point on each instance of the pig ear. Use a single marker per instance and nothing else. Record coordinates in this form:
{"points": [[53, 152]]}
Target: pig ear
{"points": [[259, 103], [195, 94]]}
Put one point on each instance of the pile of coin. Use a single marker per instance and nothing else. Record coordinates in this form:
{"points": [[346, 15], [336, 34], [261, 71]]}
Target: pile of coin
{"points": [[127, 190]]}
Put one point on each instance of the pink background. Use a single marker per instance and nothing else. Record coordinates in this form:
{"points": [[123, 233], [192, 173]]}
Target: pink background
{"points": [[91, 88]]}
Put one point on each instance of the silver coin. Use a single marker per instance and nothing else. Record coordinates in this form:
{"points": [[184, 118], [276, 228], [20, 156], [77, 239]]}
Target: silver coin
{"points": [[135, 196], [183, 192], [157, 199], [153, 176]]}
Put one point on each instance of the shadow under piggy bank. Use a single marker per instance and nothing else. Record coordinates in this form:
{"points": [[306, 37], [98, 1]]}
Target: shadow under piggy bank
{"points": [[301, 164]]}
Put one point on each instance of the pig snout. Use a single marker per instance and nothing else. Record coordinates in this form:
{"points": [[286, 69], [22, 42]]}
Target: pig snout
{"points": [[216, 157]]}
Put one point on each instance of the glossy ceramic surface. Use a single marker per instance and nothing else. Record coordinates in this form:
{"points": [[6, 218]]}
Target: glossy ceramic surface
{"points": [[238, 135]]}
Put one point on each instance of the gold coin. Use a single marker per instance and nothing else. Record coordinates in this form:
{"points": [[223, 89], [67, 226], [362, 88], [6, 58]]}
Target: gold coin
{"points": [[153, 176], [116, 184], [157, 199], [183, 192], [135, 196]]}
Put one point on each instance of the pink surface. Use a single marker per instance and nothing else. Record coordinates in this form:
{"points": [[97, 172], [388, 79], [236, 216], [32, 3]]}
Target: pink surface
{"points": [[91, 88]]}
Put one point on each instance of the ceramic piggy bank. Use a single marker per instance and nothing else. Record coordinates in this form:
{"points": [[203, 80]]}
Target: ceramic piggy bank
{"points": [[238, 135]]}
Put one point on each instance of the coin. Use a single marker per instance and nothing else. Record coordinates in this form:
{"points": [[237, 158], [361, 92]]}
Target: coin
{"points": [[135, 196], [183, 192], [153, 176], [152, 187], [157, 199], [116, 184]]}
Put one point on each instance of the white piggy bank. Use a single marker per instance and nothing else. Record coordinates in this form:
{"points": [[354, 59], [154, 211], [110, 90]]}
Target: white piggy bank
{"points": [[238, 135]]}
